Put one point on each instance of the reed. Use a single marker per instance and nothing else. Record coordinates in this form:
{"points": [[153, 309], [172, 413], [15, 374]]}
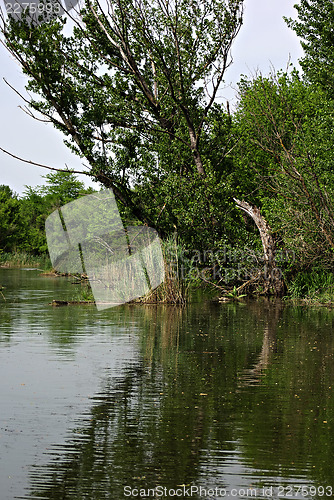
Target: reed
{"points": [[175, 288], [23, 259]]}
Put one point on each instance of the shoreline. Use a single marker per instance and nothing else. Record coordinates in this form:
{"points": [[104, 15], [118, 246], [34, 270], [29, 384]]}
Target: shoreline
{"points": [[43, 264]]}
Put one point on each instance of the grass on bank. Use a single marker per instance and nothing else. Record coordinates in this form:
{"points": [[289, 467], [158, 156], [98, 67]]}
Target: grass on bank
{"points": [[23, 259], [314, 287]]}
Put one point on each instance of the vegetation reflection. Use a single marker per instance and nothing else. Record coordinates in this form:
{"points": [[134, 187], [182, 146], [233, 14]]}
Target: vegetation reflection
{"points": [[211, 384]]}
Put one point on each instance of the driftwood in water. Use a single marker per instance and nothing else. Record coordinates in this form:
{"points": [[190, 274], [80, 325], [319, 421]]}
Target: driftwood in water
{"points": [[273, 282], [58, 303]]}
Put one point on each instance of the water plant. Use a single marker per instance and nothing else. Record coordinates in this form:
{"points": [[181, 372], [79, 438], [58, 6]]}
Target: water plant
{"points": [[234, 294]]}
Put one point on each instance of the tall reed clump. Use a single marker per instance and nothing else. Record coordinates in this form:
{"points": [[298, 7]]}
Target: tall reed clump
{"points": [[178, 276]]}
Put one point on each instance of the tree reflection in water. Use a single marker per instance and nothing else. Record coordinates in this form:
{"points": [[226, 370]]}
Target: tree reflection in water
{"points": [[216, 385]]}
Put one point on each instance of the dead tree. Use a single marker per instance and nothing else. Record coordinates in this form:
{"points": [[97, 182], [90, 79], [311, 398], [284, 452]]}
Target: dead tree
{"points": [[272, 276]]}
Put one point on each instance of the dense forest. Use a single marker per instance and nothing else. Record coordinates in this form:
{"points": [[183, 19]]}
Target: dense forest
{"points": [[246, 194]]}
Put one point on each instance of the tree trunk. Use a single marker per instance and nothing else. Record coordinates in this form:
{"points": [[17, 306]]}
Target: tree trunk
{"points": [[274, 284], [196, 153]]}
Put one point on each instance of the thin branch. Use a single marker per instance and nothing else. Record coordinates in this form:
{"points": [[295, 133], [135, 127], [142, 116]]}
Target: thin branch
{"points": [[29, 113], [30, 162]]}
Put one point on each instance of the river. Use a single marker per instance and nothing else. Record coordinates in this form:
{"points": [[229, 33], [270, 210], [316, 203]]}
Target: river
{"points": [[231, 400]]}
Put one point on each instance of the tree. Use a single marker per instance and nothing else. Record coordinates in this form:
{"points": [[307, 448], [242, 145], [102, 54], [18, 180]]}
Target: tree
{"points": [[22, 220], [133, 89], [9, 219], [315, 27], [60, 188], [39, 202], [286, 125]]}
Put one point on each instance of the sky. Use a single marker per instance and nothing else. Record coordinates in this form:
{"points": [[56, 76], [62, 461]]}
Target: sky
{"points": [[264, 42]]}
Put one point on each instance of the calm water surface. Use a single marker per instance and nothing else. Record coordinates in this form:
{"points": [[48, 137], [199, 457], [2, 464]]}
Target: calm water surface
{"points": [[236, 399]]}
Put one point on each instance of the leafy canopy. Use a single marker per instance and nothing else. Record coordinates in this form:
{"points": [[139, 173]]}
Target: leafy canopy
{"points": [[134, 88]]}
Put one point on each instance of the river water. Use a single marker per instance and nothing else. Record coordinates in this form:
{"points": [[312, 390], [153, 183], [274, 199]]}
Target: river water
{"points": [[209, 401]]}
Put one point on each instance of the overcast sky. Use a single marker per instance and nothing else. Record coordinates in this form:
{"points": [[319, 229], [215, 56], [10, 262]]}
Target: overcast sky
{"points": [[263, 42]]}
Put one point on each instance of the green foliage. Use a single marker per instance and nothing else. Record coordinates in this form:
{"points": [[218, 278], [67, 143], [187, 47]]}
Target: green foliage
{"points": [[129, 92], [10, 223], [315, 27], [60, 188], [286, 130], [314, 285], [22, 221]]}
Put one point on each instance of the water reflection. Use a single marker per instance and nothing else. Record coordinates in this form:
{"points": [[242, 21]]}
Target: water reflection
{"points": [[270, 314], [218, 395], [180, 417]]}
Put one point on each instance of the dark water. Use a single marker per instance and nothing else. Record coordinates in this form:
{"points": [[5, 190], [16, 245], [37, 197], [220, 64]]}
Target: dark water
{"points": [[210, 401]]}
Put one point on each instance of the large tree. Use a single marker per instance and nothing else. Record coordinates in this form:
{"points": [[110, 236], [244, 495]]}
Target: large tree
{"points": [[134, 90]]}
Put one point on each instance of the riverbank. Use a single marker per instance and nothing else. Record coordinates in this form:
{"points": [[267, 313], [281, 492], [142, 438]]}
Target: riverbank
{"points": [[309, 289]]}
